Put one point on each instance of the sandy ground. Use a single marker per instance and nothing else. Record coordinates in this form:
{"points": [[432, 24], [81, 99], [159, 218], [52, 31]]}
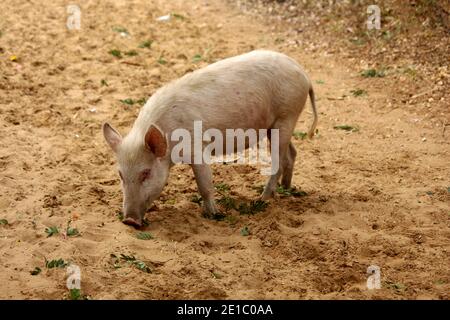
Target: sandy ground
{"points": [[378, 196]]}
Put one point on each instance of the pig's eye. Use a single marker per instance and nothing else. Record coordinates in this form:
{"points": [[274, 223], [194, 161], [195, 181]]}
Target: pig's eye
{"points": [[120, 175], [145, 175]]}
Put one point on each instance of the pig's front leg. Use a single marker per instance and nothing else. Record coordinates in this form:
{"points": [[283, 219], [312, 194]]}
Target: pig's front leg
{"points": [[203, 176]]}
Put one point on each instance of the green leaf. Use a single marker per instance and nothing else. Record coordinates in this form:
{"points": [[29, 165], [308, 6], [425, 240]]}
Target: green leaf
{"points": [[142, 266], [75, 294], [178, 16], [127, 258], [320, 82], [131, 53], [116, 53], [51, 231], [120, 215], [121, 30], [346, 128], [144, 236], [103, 82], [36, 271], [137, 263], [299, 135], [227, 202], [358, 92], [372, 73], [253, 207], [245, 231], [128, 101], [60, 263], [3, 222], [231, 219], [197, 58], [72, 232], [141, 101], [395, 286], [146, 44], [290, 192], [161, 60]]}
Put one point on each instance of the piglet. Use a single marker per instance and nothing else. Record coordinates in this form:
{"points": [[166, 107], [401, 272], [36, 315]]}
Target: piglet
{"points": [[257, 90]]}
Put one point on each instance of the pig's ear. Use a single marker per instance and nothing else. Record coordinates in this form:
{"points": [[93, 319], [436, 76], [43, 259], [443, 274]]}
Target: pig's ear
{"points": [[155, 141], [112, 136]]}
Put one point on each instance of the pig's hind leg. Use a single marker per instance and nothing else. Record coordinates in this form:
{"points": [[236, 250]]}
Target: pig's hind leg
{"points": [[288, 169], [285, 158], [203, 177]]}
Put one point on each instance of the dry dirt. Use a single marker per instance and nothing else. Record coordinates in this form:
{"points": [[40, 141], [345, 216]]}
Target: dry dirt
{"points": [[377, 196]]}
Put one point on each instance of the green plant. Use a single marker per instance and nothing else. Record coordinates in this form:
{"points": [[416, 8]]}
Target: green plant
{"points": [[178, 16], [141, 101], [395, 286], [116, 53], [50, 231], [227, 202], [71, 232], [36, 271], [161, 60], [75, 294], [3, 222], [137, 263], [128, 101], [255, 206], [245, 231], [197, 58], [146, 44], [346, 127], [372, 73], [231, 219], [299, 135], [131, 53], [120, 30], [144, 236], [358, 92], [60, 263], [293, 191]]}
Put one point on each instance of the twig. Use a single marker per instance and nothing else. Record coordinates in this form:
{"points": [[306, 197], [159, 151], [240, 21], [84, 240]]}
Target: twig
{"points": [[423, 93]]}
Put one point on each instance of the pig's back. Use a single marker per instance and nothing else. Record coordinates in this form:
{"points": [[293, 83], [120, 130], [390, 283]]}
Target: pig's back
{"points": [[246, 91]]}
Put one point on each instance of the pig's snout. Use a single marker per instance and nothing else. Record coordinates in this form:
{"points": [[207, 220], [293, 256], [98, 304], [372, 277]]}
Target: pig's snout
{"points": [[133, 219]]}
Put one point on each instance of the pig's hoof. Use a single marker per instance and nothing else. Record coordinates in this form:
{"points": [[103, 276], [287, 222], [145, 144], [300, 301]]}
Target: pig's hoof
{"points": [[132, 222], [266, 196]]}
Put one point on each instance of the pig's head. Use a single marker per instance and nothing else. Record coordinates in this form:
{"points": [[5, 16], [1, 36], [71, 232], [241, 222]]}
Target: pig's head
{"points": [[143, 168]]}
